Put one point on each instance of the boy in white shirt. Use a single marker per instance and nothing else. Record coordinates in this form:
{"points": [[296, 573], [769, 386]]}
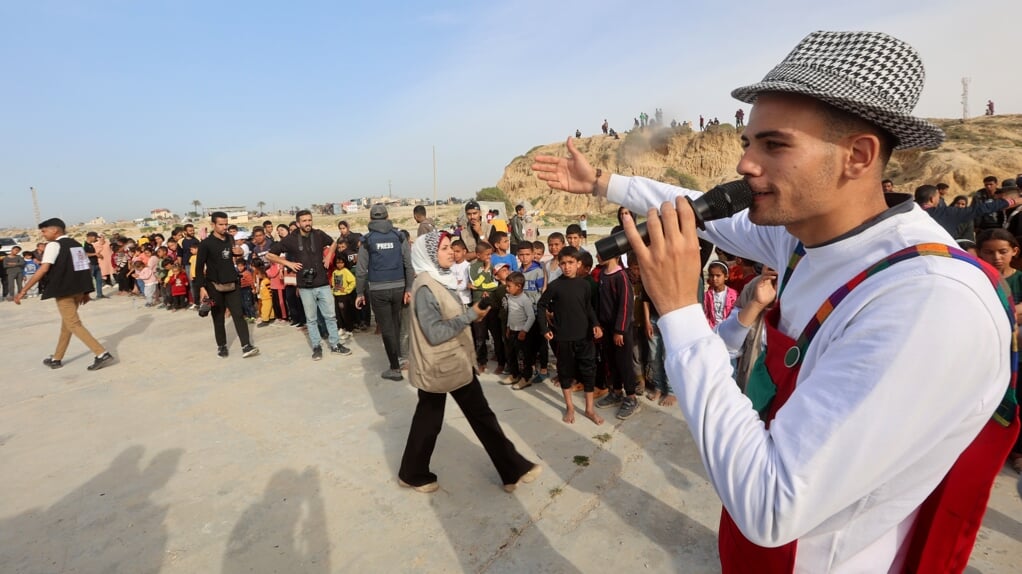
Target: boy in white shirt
{"points": [[460, 271]]}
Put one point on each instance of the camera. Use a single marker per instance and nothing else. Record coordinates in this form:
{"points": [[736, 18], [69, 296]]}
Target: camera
{"points": [[307, 276], [205, 307]]}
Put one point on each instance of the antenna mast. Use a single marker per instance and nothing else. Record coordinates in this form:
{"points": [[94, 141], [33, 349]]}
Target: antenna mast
{"points": [[35, 206], [965, 98]]}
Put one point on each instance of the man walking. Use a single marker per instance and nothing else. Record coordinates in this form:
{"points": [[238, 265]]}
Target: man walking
{"points": [[305, 256], [65, 266], [216, 274], [385, 270]]}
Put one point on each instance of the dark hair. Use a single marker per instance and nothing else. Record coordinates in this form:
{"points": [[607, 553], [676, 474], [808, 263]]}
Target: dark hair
{"points": [[585, 258], [419, 210], [943, 185], [517, 278], [92, 234], [569, 251], [925, 193], [841, 123], [267, 222], [989, 179], [996, 234], [573, 229], [187, 225], [177, 230], [459, 243], [555, 235], [216, 215], [167, 261], [343, 222], [523, 245], [281, 226], [483, 246], [233, 226], [519, 206], [302, 212], [539, 245], [957, 197], [887, 181], [497, 236], [53, 222]]}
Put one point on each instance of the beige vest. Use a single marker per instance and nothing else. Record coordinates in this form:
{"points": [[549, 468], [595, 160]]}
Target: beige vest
{"points": [[445, 367]]}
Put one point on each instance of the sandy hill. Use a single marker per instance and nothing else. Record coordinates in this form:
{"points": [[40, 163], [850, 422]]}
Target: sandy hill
{"points": [[974, 149]]}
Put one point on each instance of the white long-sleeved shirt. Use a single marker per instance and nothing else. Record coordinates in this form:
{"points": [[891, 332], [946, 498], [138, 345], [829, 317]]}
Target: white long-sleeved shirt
{"points": [[896, 384]]}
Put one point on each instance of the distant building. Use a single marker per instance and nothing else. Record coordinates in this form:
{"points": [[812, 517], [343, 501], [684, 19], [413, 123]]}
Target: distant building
{"points": [[235, 213], [161, 213], [350, 207], [96, 221]]}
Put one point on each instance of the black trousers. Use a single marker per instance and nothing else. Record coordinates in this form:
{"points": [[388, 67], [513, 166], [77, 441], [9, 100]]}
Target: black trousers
{"points": [[295, 310], [221, 303], [345, 311], [617, 362], [521, 355], [426, 425], [490, 324], [387, 306], [576, 360]]}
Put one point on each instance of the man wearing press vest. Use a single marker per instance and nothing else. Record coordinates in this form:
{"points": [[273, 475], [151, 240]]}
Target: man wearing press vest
{"points": [[385, 270], [65, 266]]}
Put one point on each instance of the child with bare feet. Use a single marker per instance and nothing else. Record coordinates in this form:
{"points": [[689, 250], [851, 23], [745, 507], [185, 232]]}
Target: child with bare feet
{"points": [[570, 299]]}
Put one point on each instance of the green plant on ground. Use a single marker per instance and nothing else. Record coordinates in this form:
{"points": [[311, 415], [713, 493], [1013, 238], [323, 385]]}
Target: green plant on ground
{"points": [[581, 460], [685, 180], [556, 491], [602, 437]]}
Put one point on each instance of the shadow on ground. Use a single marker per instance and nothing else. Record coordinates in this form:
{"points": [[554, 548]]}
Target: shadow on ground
{"points": [[108, 524]]}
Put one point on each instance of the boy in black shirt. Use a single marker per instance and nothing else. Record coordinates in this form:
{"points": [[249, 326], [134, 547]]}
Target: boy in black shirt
{"points": [[570, 299], [616, 316]]}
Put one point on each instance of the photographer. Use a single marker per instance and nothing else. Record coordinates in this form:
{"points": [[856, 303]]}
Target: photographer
{"points": [[219, 290], [305, 256]]}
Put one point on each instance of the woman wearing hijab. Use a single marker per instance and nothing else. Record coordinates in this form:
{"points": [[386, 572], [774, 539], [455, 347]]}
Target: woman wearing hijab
{"points": [[442, 362]]}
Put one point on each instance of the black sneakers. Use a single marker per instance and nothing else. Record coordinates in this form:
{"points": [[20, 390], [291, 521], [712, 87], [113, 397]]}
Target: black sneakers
{"points": [[610, 399], [340, 349], [628, 407], [317, 353], [101, 361], [249, 350], [52, 363], [221, 351]]}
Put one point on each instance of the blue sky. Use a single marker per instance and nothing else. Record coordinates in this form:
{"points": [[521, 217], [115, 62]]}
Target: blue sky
{"points": [[113, 108]]}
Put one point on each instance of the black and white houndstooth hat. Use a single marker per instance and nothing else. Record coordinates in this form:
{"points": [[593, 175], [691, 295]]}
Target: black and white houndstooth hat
{"points": [[870, 74]]}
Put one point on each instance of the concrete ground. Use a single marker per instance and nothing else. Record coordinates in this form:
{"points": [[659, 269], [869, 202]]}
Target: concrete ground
{"points": [[177, 461]]}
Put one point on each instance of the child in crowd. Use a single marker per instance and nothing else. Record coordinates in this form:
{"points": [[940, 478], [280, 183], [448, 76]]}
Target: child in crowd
{"points": [[193, 249], [535, 282], [274, 272], [999, 247], [496, 321], [555, 242], [719, 299], [521, 316], [342, 282], [31, 267], [164, 276], [483, 285], [264, 293], [573, 236], [246, 282], [616, 317], [501, 254], [178, 287], [657, 385], [539, 253], [14, 268], [460, 271], [574, 324], [147, 279]]}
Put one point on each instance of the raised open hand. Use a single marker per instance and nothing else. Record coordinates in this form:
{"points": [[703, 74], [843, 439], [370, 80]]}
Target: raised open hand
{"points": [[572, 174]]}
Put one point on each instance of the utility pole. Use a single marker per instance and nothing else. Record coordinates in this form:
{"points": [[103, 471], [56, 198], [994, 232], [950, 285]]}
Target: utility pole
{"points": [[434, 184], [965, 98], [390, 190], [35, 206]]}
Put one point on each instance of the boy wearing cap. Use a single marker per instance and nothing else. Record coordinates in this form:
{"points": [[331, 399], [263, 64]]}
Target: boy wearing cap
{"points": [[65, 266], [842, 458]]}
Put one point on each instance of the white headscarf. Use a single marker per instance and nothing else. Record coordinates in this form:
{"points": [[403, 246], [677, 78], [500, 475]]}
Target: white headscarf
{"points": [[424, 260]]}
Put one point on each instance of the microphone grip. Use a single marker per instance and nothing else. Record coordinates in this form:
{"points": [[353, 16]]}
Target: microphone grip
{"points": [[617, 244]]}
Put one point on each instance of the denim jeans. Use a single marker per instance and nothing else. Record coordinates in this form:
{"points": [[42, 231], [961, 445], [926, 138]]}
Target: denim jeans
{"points": [[321, 298], [97, 276], [657, 371]]}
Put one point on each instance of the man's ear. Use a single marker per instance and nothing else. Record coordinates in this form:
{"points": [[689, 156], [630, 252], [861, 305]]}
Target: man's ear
{"points": [[863, 155]]}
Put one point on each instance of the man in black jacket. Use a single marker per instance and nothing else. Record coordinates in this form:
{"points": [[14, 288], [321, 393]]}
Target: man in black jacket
{"points": [[65, 265], [305, 256], [219, 284]]}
